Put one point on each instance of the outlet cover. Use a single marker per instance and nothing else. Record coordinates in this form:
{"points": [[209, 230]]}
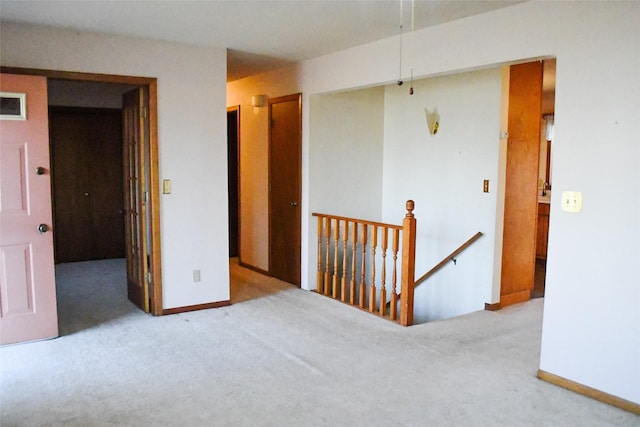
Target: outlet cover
{"points": [[572, 201]]}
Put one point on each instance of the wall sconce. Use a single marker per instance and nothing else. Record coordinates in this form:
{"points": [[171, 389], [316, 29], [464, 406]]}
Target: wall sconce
{"points": [[258, 101], [433, 120]]}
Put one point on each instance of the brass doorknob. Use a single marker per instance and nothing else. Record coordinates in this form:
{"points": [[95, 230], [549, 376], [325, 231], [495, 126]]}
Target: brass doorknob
{"points": [[293, 203], [43, 228]]}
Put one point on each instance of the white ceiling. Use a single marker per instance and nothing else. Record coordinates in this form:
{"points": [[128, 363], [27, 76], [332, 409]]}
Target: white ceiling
{"points": [[260, 35]]}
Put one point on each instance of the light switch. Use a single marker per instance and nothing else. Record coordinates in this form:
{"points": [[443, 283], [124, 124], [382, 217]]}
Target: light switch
{"points": [[166, 186], [572, 201]]}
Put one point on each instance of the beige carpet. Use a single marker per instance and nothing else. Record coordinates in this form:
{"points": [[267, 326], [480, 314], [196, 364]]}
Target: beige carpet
{"points": [[279, 357]]}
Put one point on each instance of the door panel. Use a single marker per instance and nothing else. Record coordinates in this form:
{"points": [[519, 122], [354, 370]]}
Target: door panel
{"points": [[232, 179], [520, 207], [86, 146], [27, 281], [285, 140], [135, 132]]}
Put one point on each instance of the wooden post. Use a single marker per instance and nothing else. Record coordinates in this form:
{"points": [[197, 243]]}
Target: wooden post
{"points": [[408, 265], [343, 290], [393, 309], [372, 287], [383, 277], [363, 271], [327, 268], [319, 285], [336, 237], [352, 283]]}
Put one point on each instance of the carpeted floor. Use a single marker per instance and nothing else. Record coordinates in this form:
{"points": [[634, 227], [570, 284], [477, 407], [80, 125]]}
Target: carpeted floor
{"points": [[279, 356]]}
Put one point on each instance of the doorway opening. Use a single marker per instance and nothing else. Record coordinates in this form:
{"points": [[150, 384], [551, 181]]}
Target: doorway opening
{"points": [[143, 203], [531, 99]]}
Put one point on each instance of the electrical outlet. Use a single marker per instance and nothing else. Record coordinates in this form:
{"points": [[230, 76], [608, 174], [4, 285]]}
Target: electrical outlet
{"points": [[196, 276], [572, 201]]}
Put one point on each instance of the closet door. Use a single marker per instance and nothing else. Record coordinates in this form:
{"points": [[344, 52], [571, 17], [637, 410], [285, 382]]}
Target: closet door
{"points": [[88, 189]]}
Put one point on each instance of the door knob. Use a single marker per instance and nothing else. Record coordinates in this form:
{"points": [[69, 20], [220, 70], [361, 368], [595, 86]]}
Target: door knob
{"points": [[43, 228], [293, 203], [40, 170]]}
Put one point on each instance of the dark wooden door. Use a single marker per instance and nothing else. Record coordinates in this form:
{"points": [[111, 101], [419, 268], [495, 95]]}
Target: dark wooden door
{"points": [[86, 151], [233, 176], [285, 141], [521, 204]]}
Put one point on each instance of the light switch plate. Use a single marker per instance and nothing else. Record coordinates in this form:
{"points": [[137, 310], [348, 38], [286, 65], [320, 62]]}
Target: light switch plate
{"points": [[572, 201], [166, 186]]}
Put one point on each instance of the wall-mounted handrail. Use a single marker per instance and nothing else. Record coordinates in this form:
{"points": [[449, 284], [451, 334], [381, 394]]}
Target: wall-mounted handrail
{"points": [[450, 257]]}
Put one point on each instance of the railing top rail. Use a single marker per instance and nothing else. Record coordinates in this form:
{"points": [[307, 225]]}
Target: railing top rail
{"points": [[360, 221]]}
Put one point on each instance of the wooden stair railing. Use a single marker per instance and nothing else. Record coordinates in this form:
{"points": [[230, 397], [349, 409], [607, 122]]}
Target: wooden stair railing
{"points": [[445, 260], [450, 257], [357, 274]]}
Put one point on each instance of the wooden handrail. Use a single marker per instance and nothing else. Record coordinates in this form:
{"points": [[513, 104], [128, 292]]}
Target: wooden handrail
{"points": [[352, 276], [448, 258], [359, 221]]}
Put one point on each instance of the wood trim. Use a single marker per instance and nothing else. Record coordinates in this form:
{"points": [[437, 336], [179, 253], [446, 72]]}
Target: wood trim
{"points": [[256, 269], [515, 298], [154, 199], [196, 307], [492, 307], [449, 258], [359, 221], [593, 393], [154, 202], [78, 76]]}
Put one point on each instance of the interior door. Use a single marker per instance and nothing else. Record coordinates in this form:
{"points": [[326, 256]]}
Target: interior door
{"points": [[285, 141], [88, 189], [521, 200], [232, 180], [135, 126], [27, 280]]}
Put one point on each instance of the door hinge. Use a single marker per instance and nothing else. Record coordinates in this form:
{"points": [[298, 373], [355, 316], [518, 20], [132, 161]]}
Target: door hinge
{"points": [[149, 277], [144, 112], [145, 196]]}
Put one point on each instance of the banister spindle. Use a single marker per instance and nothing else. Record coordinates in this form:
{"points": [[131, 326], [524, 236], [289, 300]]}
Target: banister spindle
{"points": [[345, 234], [372, 288], [352, 284], [393, 309], [319, 277], [327, 269], [383, 277], [364, 266], [408, 265], [336, 237]]}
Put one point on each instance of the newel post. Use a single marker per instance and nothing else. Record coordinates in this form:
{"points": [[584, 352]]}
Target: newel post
{"points": [[408, 265]]}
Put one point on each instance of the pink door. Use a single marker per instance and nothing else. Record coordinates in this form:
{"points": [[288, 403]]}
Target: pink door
{"points": [[27, 283]]}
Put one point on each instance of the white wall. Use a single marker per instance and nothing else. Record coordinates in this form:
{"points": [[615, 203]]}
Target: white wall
{"points": [[345, 157], [444, 175], [192, 140], [592, 307]]}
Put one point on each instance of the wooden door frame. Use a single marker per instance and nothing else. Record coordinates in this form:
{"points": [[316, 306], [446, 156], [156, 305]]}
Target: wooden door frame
{"points": [[286, 98], [155, 267], [236, 108]]}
